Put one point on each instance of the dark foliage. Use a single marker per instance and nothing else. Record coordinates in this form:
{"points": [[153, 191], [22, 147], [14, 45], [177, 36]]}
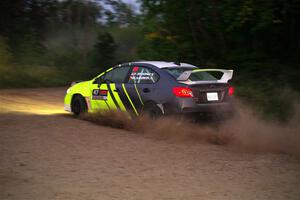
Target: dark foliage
{"points": [[50, 42]]}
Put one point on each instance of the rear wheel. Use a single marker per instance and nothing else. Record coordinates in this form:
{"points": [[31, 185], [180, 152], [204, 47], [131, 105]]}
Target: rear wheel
{"points": [[78, 105], [153, 111]]}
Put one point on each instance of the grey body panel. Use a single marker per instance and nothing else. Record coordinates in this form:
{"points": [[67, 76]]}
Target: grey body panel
{"points": [[160, 93]]}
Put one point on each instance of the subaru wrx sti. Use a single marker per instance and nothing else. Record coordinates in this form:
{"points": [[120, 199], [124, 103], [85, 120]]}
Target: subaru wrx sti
{"points": [[154, 87]]}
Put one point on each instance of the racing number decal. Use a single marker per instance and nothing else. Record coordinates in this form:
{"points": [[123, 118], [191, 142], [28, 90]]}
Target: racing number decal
{"points": [[107, 97], [113, 96], [99, 94]]}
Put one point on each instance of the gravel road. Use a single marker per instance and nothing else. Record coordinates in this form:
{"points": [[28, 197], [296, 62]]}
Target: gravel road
{"points": [[45, 153]]}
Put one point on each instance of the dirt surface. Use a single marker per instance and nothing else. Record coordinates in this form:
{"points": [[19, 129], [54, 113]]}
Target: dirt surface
{"points": [[47, 154]]}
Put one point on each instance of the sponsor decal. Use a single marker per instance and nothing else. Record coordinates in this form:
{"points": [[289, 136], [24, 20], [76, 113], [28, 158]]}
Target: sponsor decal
{"points": [[141, 76], [99, 94], [135, 69]]}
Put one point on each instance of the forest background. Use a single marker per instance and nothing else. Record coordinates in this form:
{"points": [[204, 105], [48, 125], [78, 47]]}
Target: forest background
{"points": [[47, 43]]}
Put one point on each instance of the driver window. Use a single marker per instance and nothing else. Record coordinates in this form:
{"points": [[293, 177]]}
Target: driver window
{"points": [[117, 75]]}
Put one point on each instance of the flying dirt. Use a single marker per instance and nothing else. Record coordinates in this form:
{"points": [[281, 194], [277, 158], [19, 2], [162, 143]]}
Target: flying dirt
{"points": [[244, 132], [46, 153]]}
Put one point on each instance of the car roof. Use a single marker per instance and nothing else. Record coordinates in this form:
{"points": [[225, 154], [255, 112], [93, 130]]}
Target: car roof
{"points": [[163, 64]]}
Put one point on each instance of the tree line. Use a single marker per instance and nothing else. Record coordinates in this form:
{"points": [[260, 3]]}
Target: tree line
{"points": [[213, 30]]}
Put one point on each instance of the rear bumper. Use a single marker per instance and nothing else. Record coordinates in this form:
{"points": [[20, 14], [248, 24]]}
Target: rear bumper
{"points": [[188, 105], [209, 108]]}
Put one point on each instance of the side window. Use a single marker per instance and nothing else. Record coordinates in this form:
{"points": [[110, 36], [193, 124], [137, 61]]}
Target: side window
{"points": [[143, 75], [117, 75], [108, 76]]}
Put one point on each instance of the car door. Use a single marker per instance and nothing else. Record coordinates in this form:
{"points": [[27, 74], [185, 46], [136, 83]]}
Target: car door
{"points": [[104, 91], [139, 88]]}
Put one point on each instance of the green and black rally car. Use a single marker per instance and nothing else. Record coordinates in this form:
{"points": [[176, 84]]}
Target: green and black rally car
{"points": [[156, 87]]}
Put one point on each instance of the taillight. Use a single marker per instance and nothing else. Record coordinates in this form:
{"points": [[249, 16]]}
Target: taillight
{"points": [[230, 90], [183, 92]]}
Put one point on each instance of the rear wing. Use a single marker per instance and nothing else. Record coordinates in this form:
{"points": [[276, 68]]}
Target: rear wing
{"points": [[227, 74]]}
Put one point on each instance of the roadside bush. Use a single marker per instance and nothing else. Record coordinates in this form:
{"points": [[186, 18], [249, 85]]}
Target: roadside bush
{"points": [[268, 87], [32, 76], [5, 54]]}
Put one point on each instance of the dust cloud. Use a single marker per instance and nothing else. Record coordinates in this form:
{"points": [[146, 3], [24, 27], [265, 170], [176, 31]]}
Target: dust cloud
{"points": [[251, 133], [245, 132]]}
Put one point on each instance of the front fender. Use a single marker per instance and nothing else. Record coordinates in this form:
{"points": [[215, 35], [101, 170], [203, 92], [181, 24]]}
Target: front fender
{"points": [[82, 88]]}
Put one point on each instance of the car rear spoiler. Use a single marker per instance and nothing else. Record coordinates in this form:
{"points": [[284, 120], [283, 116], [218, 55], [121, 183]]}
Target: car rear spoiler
{"points": [[227, 74]]}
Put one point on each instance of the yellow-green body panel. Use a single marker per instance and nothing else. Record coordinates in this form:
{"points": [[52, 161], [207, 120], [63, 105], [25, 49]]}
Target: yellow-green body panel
{"points": [[122, 107], [79, 88], [86, 88]]}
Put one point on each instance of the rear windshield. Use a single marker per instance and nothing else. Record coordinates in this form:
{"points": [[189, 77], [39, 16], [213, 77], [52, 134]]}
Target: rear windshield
{"points": [[202, 76], [196, 76]]}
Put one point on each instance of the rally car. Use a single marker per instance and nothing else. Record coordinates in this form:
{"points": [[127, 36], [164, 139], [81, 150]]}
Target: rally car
{"points": [[154, 87]]}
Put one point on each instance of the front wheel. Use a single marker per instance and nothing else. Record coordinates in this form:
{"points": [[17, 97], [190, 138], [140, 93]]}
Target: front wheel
{"points": [[78, 105]]}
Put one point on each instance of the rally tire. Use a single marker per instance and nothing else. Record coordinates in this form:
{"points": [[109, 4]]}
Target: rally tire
{"points": [[78, 105], [152, 110]]}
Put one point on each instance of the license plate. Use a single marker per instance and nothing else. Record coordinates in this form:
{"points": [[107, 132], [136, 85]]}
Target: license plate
{"points": [[212, 96]]}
